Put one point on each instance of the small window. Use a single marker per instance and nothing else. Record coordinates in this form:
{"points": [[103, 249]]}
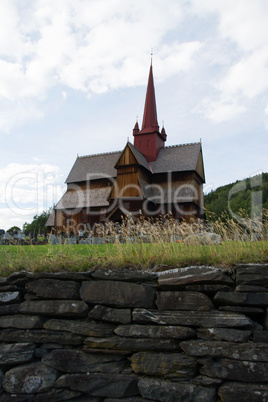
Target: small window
{"points": [[103, 215], [126, 204], [84, 216]]}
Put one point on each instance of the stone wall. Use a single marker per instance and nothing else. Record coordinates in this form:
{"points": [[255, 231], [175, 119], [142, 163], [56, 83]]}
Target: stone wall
{"points": [[191, 334]]}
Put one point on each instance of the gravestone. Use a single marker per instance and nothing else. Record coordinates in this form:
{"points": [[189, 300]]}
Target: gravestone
{"points": [[55, 240], [88, 240], [98, 240], [71, 240]]}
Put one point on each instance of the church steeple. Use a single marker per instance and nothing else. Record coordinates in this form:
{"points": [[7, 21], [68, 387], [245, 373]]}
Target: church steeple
{"points": [[149, 140], [150, 114]]}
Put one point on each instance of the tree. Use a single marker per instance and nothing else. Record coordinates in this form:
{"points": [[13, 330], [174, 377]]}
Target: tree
{"points": [[37, 226], [13, 229]]}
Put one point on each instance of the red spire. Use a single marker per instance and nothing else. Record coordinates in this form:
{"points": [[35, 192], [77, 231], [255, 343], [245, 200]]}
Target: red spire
{"points": [[136, 128], [150, 115]]}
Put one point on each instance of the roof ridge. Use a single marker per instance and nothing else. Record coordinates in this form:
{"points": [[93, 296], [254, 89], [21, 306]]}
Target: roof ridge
{"points": [[103, 153], [182, 145]]}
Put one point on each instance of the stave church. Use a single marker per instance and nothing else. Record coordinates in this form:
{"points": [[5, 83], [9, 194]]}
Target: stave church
{"points": [[146, 178]]}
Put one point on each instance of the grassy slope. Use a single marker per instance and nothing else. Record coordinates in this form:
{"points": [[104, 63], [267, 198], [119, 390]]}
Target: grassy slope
{"points": [[75, 258]]}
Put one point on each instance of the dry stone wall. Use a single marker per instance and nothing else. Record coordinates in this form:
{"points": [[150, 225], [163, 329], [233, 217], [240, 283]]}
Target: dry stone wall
{"points": [[190, 334]]}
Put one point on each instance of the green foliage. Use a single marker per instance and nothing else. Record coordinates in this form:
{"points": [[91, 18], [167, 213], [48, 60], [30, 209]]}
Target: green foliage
{"points": [[249, 195], [13, 230], [37, 226]]}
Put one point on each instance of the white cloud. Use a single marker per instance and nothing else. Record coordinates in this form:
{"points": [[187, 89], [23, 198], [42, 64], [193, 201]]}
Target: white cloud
{"points": [[28, 189], [13, 114], [86, 45], [243, 24], [219, 110]]}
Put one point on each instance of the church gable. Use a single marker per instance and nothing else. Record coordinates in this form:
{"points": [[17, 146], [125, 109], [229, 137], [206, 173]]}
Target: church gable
{"points": [[127, 158], [200, 166], [127, 181]]}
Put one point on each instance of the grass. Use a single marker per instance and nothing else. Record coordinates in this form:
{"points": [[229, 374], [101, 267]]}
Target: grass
{"points": [[236, 247], [154, 256]]}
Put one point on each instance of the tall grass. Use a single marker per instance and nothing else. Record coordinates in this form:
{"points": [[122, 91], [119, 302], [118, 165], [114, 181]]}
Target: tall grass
{"points": [[148, 244]]}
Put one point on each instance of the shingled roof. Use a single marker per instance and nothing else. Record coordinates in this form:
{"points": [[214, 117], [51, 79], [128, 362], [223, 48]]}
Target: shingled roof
{"points": [[178, 158], [93, 167], [95, 197]]}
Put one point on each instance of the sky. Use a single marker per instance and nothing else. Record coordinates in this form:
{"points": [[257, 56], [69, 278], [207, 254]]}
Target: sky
{"points": [[73, 77]]}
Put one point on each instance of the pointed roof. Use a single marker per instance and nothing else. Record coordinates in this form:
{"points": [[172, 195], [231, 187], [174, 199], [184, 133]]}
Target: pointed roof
{"points": [[150, 115]]}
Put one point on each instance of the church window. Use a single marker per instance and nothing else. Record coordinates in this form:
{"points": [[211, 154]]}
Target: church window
{"points": [[103, 215], [84, 216], [126, 204]]}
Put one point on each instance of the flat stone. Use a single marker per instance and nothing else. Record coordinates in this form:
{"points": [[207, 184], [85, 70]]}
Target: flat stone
{"points": [[87, 328], [245, 371], [208, 288], [16, 398], [109, 314], [162, 390], [58, 394], [105, 385], [117, 294], [207, 381], [223, 334], [170, 365], [66, 276], [132, 344], [40, 336], [206, 319], [242, 309], [193, 275], [10, 288], [21, 321], [183, 301], [21, 277], [129, 276], [54, 289], [260, 336], [252, 274], [9, 309], [153, 331], [216, 349], [75, 361], [16, 353], [249, 289], [9, 297], [29, 378], [236, 391], [241, 299], [63, 308]]}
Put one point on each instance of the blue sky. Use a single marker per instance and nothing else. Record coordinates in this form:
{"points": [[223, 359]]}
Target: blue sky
{"points": [[73, 76]]}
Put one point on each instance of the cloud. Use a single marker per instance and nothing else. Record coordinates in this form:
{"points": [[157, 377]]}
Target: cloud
{"points": [[92, 46], [13, 114], [242, 26], [219, 110], [28, 189]]}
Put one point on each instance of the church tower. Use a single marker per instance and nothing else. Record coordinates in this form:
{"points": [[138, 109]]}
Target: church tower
{"points": [[149, 140]]}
